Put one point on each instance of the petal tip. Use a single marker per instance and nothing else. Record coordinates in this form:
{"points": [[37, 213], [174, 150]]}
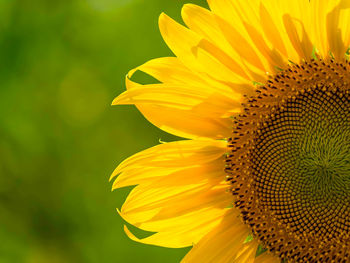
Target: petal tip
{"points": [[115, 101], [130, 235], [163, 22]]}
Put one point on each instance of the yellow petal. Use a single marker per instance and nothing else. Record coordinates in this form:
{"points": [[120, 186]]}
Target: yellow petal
{"points": [[186, 123], [179, 96], [204, 23], [224, 243], [298, 37], [170, 70], [334, 29], [194, 51], [187, 234], [270, 30], [247, 253], [262, 25], [183, 110], [163, 196], [292, 20], [344, 25], [183, 194], [166, 158], [184, 227], [272, 56], [243, 17], [267, 257], [243, 47]]}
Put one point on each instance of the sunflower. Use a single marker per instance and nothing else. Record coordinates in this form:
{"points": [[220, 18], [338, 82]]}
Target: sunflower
{"points": [[260, 92]]}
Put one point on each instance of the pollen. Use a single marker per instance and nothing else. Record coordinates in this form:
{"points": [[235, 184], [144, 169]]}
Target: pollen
{"points": [[289, 162]]}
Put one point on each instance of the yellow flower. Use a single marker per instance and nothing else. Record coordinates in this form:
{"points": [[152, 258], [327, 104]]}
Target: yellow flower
{"points": [[261, 90]]}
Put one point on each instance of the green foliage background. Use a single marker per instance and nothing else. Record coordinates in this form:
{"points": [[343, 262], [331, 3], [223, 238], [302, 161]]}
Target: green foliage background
{"points": [[61, 64]]}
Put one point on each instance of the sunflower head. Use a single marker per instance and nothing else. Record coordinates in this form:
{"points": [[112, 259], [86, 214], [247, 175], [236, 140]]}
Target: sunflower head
{"points": [[290, 162], [262, 91]]}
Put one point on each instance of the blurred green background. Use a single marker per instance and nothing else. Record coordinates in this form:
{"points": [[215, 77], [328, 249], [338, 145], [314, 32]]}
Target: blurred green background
{"points": [[62, 63]]}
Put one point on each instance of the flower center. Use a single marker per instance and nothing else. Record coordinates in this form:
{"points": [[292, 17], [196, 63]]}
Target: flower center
{"points": [[290, 163]]}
